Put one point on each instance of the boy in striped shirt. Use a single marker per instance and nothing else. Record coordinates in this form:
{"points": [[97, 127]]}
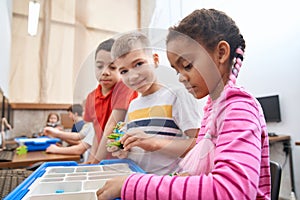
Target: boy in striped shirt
{"points": [[162, 123]]}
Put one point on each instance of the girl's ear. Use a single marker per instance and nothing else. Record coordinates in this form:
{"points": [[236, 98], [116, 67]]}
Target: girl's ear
{"points": [[223, 50], [156, 59]]}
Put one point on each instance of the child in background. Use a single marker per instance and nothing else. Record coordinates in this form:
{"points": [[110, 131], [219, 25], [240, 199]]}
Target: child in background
{"points": [[53, 121], [4, 126], [83, 144], [163, 122], [108, 103], [75, 113], [206, 49]]}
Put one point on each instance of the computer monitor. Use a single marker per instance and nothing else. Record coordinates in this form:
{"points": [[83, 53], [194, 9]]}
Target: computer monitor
{"points": [[271, 108]]}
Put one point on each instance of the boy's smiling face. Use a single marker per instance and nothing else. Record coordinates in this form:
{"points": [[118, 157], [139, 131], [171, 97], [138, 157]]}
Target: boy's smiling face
{"points": [[137, 71], [106, 72]]}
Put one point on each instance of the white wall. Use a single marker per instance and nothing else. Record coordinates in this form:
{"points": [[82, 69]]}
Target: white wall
{"points": [[271, 30], [5, 41]]}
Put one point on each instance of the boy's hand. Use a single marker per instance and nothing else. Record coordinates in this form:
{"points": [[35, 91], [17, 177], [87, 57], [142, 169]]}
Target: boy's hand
{"points": [[111, 148], [52, 149], [139, 139], [112, 188], [51, 132], [121, 154], [115, 150]]}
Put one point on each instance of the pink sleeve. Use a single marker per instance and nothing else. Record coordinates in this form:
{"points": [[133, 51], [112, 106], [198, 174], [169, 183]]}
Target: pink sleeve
{"points": [[241, 168]]}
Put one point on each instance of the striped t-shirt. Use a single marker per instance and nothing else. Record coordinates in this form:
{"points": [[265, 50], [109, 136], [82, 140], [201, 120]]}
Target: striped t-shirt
{"points": [[167, 113], [241, 163]]}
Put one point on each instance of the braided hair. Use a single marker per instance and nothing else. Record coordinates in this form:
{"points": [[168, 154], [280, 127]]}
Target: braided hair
{"points": [[208, 27]]}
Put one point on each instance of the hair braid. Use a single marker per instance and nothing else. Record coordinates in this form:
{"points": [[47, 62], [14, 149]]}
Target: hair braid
{"points": [[237, 64]]}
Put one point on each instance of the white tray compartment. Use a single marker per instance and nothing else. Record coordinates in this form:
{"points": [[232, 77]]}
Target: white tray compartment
{"points": [[54, 176], [60, 170], [52, 179], [107, 176], [70, 196], [77, 174], [75, 178], [53, 187], [89, 169], [119, 167], [94, 185]]}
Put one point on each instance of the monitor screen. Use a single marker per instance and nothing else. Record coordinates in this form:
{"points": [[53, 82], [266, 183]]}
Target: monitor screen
{"points": [[271, 108]]}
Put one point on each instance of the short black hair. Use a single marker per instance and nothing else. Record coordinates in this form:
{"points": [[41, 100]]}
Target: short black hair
{"points": [[76, 108]]}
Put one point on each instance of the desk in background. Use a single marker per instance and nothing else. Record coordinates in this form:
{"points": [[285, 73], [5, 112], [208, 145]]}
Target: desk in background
{"points": [[286, 141], [36, 156]]}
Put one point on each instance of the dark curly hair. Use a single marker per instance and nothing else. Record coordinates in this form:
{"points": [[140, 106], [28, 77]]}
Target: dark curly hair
{"points": [[208, 27]]}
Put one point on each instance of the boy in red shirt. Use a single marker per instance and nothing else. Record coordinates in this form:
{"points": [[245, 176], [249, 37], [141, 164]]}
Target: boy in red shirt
{"points": [[108, 103]]}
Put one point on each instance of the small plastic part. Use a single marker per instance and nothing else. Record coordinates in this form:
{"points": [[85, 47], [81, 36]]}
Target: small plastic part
{"points": [[59, 191]]}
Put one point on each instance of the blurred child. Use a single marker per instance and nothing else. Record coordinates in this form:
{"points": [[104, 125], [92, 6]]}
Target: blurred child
{"points": [[75, 113], [162, 123], [84, 143], [53, 121], [4, 126], [108, 103], [232, 153]]}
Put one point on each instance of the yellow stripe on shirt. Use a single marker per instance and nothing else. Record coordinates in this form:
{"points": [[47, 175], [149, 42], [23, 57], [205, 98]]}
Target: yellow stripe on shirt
{"points": [[155, 111]]}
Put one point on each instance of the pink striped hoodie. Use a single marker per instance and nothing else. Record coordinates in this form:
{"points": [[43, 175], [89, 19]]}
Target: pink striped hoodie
{"points": [[241, 163]]}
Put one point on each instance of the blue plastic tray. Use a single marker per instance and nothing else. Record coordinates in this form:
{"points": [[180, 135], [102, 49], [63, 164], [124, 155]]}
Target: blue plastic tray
{"points": [[21, 190], [37, 144]]}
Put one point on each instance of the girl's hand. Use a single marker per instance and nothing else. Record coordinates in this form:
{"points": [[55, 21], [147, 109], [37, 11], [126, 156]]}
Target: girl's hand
{"points": [[112, 188], [139, 139]]}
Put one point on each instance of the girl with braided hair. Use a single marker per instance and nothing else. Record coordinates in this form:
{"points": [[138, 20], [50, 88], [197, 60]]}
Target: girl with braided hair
{"points": [[231, 157]]}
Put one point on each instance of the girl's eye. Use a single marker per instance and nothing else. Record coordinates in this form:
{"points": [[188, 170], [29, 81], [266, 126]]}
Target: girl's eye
{"points": [[188, 67], [123, 71]]}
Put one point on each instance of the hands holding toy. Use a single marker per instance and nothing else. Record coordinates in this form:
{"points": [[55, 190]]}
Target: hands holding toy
{"points": [[113, 144], [119, 142]]}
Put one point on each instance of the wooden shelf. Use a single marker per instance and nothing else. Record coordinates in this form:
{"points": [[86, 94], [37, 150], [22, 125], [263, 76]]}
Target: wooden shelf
{"points": [[39, 106]]}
